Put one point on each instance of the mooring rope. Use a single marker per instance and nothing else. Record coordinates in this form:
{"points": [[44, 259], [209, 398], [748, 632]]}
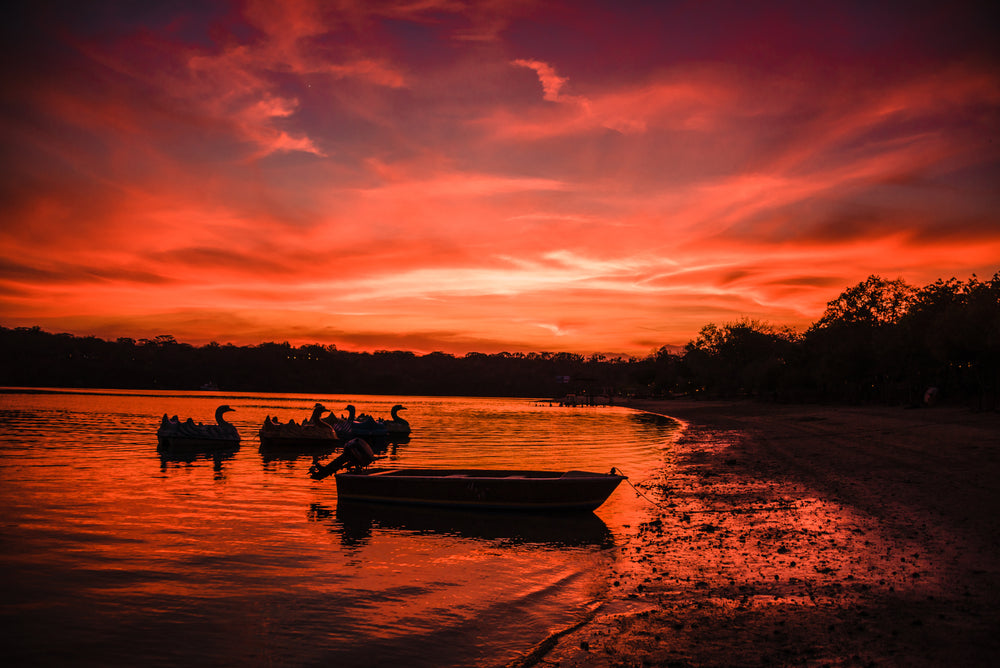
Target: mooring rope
{"points": [[636, 489]]}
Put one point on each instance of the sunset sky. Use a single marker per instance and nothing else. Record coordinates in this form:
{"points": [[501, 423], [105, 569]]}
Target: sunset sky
{"points": [[442, 175]]}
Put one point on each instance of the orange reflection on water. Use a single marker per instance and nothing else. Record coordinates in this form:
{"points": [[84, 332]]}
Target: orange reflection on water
{"points": [[122, 546]]}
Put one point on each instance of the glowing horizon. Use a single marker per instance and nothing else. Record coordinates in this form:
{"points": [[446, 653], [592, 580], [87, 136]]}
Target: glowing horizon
{"points": [[485, 177]]}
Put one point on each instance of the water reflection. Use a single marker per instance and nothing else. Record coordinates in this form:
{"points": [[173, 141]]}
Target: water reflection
{"points": [[174, 457], [291, 453], [653, 420], [356, 521], [255, 558], [382, 444], [269, 454]]}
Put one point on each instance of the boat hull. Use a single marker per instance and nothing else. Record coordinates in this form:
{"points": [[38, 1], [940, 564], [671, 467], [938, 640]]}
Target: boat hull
{"points": [[181, 442], [480, 488]]}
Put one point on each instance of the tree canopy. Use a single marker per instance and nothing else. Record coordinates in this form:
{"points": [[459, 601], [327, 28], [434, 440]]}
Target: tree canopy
{"points": [[879, 341]]}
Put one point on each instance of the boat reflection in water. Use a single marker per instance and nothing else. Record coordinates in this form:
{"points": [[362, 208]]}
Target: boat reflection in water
{"points": [[291, 453], [174, 457], [271, 452], [129, 552], [185, 442], [358, 521]]}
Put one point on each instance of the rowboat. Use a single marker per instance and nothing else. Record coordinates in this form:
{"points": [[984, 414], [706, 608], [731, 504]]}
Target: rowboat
{"points": [[480, 488]]}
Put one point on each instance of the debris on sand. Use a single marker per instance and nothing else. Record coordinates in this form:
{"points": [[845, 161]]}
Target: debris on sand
{"points": [[808, 535]]}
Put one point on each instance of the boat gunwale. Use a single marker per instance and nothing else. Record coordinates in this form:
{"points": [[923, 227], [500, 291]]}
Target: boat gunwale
{"points": [[480, 474]]}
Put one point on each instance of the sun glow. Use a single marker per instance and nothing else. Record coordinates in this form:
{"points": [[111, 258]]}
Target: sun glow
{"points": [[435, 177]]}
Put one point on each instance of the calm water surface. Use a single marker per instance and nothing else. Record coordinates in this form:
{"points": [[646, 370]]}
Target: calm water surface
{"points": [[113, 554]]}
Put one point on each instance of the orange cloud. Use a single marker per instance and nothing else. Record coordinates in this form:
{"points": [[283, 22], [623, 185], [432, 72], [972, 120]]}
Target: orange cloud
{"points": [[434, 175], [551, 83]]}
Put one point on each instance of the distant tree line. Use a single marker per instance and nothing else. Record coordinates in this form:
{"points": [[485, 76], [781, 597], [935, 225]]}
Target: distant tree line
{"points": [[879, 341], [31, 357]]}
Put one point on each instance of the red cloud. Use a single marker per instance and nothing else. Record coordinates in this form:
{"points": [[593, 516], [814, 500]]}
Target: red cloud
{"points": [[428, 175]]}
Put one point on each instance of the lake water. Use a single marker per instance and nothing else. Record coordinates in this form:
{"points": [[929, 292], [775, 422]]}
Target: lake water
{"points": [[114, 555]]}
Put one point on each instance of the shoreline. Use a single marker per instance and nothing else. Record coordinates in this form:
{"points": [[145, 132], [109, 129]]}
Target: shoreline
{"points": [[806, 534]]}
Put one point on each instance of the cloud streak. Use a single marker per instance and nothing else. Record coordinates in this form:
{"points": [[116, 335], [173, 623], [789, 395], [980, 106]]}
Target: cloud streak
{"points": [[440, 175]]}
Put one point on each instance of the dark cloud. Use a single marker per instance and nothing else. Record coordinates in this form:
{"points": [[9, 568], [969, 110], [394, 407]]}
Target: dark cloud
{"points": [[72, 274], [211, 260]]}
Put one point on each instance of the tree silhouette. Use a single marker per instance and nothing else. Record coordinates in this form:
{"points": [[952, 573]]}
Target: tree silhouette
{"points": [[880, 340]]}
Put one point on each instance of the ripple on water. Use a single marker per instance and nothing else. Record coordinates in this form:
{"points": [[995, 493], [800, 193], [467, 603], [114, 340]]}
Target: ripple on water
{"points": [[122, 547]]}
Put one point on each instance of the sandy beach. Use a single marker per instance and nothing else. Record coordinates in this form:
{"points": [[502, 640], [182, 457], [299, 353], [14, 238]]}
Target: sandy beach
{"points": [[807, 535]]}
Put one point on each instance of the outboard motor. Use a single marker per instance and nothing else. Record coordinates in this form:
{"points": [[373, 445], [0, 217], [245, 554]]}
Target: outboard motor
{"points": [[357, 455]]}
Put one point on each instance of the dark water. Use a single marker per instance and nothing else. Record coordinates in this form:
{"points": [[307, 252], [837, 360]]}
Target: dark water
{"points": [[114, 555]]}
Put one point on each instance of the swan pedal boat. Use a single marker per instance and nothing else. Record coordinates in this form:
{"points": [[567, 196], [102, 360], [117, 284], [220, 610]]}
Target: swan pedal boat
{"points": [[481, 488], [313, 433], [365, 426], [173, 433]]}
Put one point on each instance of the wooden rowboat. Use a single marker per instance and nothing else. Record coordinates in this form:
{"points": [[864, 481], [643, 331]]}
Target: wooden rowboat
{"points": [[480, 488]]}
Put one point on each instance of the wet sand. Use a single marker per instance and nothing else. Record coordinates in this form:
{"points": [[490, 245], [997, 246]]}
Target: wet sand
{"points": [[807, 535]]}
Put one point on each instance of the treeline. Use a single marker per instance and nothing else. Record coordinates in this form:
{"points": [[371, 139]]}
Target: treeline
{"points": [[35, 358], [880, 341]]}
